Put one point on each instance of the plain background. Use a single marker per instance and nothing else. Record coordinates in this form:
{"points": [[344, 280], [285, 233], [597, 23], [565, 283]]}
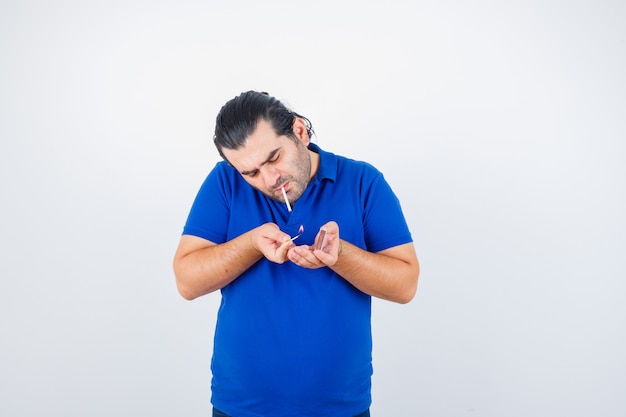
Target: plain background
{"points": [[501, 125]]}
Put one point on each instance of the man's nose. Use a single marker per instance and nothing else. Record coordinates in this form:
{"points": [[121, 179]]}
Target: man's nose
{"points": [[270, 176]]}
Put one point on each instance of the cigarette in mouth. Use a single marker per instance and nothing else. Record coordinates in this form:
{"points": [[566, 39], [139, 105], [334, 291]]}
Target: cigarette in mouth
{"points": [[286, 199]]}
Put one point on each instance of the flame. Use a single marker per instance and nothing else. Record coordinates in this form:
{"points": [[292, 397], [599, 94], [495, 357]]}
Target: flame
{"points": [[300, 230]]}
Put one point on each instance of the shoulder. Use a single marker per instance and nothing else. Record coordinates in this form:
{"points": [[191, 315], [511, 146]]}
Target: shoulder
{"points": [[346, 167], [223, 169], [222, 174], [357, 169]]}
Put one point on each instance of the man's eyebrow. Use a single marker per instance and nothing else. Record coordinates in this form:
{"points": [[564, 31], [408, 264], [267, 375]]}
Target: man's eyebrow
{"points": [[269, 157]]}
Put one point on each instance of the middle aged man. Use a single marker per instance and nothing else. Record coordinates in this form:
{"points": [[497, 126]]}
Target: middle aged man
{"points": [[293, 334]]}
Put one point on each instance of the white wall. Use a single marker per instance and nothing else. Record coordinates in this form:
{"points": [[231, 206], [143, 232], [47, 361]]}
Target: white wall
{"points": [[501, 126]]}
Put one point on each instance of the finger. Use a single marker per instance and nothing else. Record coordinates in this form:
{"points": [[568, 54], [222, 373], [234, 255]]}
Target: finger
{"points": [[302, 256], [325, 258], [284, 247], [305, 263]]}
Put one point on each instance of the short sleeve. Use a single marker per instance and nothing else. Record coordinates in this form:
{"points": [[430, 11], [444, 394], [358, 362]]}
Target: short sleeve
{"points": [[384, 222], [210, 212]]}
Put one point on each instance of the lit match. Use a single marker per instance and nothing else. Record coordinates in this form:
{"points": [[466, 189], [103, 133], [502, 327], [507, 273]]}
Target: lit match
{"points": [[286, 199], [300, 231]]}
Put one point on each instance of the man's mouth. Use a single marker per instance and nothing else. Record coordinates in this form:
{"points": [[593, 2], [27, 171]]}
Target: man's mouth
{"points": [[279, 189]]}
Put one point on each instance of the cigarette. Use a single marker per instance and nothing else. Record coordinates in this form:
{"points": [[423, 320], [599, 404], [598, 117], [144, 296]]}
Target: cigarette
{"points": [[286, 199]]}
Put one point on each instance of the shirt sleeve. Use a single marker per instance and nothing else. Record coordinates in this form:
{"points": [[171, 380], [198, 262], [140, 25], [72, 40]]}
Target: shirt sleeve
{"points": [[210, 213], [384, 223]]}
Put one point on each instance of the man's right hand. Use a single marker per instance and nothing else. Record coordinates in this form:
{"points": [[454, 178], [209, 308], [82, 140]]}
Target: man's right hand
{"points": [[271, 242], [201, 266]]}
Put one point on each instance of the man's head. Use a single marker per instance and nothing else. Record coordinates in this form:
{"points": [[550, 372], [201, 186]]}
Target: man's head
{"points": [[267, 144], [238, 118]]}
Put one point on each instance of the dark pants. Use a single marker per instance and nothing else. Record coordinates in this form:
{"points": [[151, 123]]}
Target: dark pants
{"points": [[218, 413]]}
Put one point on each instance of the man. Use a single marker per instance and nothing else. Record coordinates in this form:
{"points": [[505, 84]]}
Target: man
{"points": [[293, 333]]}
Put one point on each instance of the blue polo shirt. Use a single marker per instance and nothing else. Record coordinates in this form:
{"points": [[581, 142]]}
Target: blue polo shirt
{"points": [[291, 341]]}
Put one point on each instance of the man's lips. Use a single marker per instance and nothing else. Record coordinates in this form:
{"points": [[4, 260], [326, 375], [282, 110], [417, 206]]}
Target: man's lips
{"points": [[279, 189]]}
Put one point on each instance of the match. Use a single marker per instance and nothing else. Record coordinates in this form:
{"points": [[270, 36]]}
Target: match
{"points": [[300, 231]]}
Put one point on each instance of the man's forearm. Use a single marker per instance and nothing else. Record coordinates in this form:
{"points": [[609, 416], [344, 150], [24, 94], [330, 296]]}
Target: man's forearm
{"points": [[391, 274], [212, 267]]}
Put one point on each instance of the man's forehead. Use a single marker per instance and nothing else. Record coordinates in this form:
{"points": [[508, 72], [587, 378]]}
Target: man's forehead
{"points": [[255, 153]]}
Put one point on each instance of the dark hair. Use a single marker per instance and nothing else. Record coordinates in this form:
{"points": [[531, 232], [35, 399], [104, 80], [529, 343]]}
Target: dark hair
{"points": [[238, 118]]}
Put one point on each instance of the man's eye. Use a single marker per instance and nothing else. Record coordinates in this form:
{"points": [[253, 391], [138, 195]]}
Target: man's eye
{"points": [[274, 159]]}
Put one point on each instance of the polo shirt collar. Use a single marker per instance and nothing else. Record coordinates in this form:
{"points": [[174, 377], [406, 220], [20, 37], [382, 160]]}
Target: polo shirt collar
{"points": [[327, 168]]}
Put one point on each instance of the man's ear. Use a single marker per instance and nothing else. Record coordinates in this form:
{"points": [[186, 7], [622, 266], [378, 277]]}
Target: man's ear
{"points": [[300, 131]]}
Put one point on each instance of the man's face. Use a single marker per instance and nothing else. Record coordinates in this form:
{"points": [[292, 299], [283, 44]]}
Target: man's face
{"points": [[268, 161]]}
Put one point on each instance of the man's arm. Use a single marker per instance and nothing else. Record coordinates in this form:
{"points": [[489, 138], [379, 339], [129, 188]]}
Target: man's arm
{"points": [[391, 274], [201, 266]]}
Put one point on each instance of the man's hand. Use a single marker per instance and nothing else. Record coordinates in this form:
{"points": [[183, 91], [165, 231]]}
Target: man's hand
{"points": [[390, 274], [271, 242], [324, 252]]}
